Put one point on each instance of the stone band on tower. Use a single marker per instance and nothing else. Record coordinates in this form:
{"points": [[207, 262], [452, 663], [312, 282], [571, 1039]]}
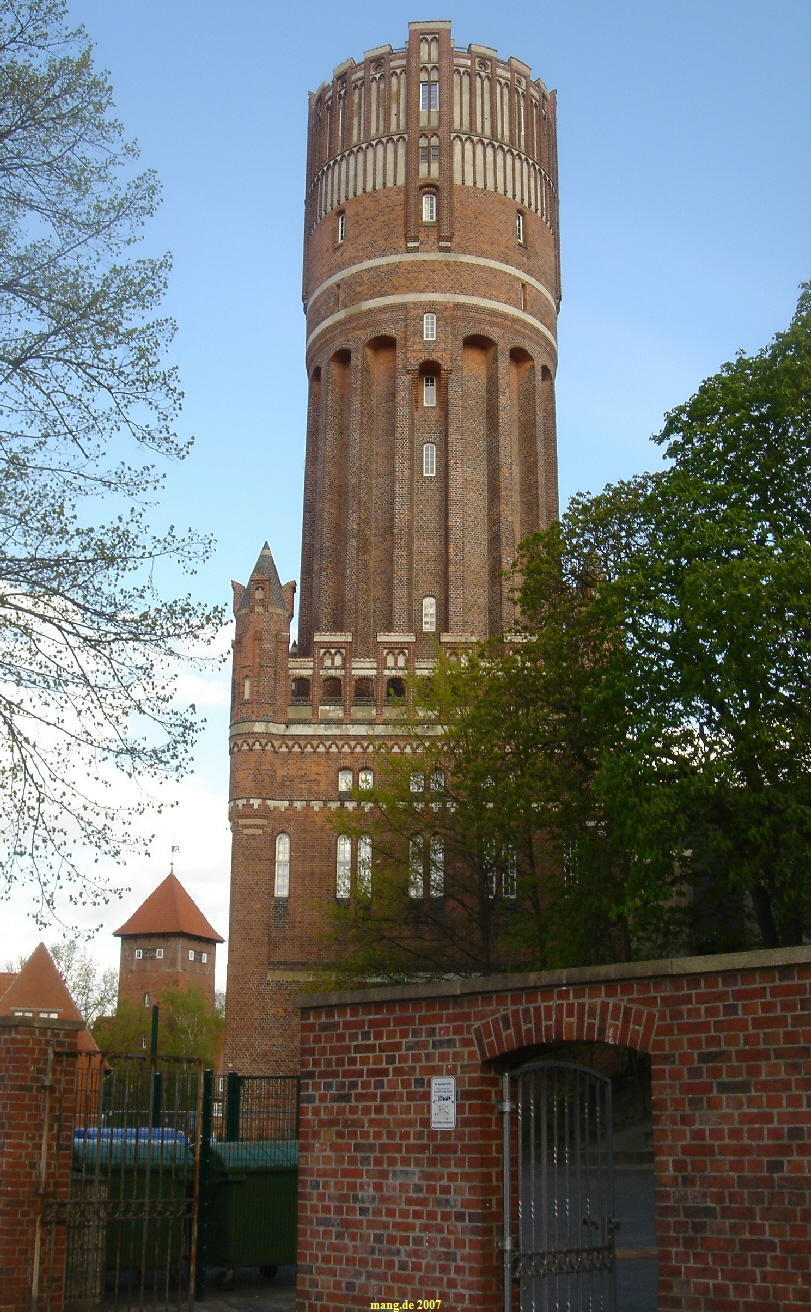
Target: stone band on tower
{"points": [[431, 289]]}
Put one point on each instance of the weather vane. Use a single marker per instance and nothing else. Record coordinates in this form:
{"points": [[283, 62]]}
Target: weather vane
{"points": [[173, 849]]}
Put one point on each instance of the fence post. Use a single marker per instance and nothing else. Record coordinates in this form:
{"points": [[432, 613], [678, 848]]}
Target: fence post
{"points": [[233, 1092], [204, 1184]]}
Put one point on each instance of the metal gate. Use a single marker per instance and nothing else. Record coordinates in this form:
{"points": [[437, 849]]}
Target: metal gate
{"points": [[559, 1187], [135, 1125]]}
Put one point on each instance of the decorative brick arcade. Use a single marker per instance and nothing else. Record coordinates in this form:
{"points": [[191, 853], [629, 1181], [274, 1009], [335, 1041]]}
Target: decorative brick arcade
{"points": [[391, 1209]]}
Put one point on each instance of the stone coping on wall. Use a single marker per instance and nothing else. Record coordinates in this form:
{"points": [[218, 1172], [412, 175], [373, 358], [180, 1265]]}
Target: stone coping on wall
{"points": [[39, 1023], [619, 971]]}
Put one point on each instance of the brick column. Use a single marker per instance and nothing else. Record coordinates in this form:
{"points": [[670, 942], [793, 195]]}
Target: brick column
{"points": [[37, 1082]]}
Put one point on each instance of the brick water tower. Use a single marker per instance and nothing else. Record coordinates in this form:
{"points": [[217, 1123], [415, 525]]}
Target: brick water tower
{"points": [[431, 290]]}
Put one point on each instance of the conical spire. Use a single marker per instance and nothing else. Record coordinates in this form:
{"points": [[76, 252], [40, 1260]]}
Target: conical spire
{"points": [[265, 567]]}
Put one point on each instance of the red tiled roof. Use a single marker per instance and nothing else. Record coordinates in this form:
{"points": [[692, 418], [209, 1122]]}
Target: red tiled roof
{"points": [[5, 979], [169, 910], [40, 988]]}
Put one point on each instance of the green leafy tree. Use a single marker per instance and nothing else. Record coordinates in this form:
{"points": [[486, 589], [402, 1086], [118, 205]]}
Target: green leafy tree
{"points": [[87, 407], [187, 1027]]}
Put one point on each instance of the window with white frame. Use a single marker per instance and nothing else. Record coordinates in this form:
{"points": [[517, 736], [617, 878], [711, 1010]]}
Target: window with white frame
{"points": [[428, 206], [429, 460], [147, 999], [344, 781], [417, 781], [519, 226], [437, 781], [429, 96], [341, 226], [436, 879], [429, 327], [429, 390], [191, 954], [281, 884], [204, 957], [343, 867], [415, 871], [366, 780], [429, 614], [365, 865], [159, 954], [139, 953]]}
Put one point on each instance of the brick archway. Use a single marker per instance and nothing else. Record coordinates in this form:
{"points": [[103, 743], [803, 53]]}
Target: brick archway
{"points": [[589, 1020]]}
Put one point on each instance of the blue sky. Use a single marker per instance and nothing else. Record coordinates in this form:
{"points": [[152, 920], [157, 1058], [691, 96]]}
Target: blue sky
{"points": [[685, 181]]}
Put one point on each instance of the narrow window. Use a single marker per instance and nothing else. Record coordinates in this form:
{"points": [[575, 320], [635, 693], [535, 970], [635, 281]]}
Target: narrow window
{"points": [[365, 866], [344, 781], [281, 886], [510, 876], [366, 779], [429, 459], [246, 692], [519, 226], [437, 781], [417, 781], [159, 954], [191, 954], [204, 957], [437, 875], [146, 999], [429, 96], [139, 952], [429, 614], [428, 201], [429, 390], [341, 226], [343, 867], [415, 871], [429, 327]]}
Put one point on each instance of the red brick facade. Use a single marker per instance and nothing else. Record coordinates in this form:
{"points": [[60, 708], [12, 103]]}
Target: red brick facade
{"points": [[391, 1209], [37, 1082], [431, 191]]}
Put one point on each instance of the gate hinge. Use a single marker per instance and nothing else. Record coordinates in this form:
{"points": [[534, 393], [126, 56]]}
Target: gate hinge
{"points": [[506, 1245], [505, 1107]]}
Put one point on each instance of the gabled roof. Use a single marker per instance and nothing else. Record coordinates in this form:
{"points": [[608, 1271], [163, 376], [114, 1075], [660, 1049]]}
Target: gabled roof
{"points": [[40, 989], [169, 910]]}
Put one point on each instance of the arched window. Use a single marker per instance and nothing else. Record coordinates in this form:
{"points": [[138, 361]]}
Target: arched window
{"points": [[147, 999], [429, 460], [365, 866], [428, 202], [343, 867], [415, 870], [429, 327], [417, 783], [281, 887], [366, 779], [429, 614], [436, 879], [429, 390], [344, 781], [246, 690]]}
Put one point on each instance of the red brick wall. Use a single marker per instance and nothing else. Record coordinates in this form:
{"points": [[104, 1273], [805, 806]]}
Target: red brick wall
{"points": [[30, 1088], [391, 1209], [174, 971]]}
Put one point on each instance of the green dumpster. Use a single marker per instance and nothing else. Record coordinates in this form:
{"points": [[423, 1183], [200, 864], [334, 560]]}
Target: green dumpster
{"points": [[253, 1203]]}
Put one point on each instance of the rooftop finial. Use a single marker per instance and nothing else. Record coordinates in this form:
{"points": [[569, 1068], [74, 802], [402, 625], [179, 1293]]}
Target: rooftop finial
{"points": [[173, 849]]}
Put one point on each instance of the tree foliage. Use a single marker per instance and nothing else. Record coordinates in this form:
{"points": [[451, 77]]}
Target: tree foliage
{"points": [[187, 1027], [640, 743], [87, 408]]}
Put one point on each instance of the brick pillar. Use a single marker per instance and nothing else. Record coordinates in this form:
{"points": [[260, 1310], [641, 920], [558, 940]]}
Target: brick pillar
{"points": [[37, 1082]]}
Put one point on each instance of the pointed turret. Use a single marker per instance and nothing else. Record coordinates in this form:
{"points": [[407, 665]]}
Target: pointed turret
{"points": [[263, 611], [167, 943], [40, 992]]}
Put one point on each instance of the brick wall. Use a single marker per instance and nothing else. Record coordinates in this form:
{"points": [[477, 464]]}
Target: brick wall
{"points": [[390, 1209], [33, 1093], [174, 971]]}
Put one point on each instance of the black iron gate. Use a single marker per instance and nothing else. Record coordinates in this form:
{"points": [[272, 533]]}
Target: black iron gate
{"points": [[135, 1125], [559, 1225]]}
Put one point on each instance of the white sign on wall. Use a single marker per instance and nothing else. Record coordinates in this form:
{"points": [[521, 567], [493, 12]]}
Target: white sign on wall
{"points": [[443, 1102]]}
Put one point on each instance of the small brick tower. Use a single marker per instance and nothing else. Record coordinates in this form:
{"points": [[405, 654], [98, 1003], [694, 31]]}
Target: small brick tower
{"points": [[167, 944], [431, 290]]}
